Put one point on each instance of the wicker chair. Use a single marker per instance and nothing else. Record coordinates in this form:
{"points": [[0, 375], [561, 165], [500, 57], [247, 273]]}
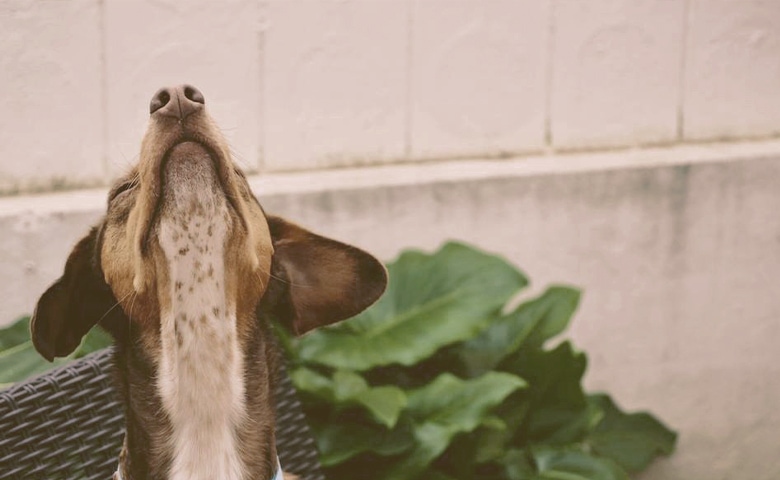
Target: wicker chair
{"points": [[68, 424]]}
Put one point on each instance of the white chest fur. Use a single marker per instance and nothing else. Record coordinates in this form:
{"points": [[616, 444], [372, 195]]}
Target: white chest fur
{"points": [[200, 377]]}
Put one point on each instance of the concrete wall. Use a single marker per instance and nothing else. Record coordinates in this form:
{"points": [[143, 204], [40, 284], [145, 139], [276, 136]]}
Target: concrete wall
{"points": [[303, 84], [625, 146]]}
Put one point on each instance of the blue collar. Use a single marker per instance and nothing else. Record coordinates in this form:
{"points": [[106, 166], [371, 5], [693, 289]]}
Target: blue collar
{"points": [[279, 475]]}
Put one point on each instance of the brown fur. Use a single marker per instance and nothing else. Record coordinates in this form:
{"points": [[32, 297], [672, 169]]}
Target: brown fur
{"points": [[117, 277]]}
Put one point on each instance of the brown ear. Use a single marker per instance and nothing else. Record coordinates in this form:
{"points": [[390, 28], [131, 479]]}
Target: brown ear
{"points": [[318, 281], [74, 304]]}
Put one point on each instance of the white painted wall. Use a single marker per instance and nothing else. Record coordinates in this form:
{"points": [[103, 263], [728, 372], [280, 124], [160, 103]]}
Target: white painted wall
{"points": [[311, 84], [464, 119]]}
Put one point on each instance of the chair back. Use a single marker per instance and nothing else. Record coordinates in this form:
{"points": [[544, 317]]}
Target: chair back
{"points": [[69, 423]]}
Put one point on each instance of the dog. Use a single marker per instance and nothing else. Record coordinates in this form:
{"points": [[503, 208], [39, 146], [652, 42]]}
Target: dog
{"points": [[186, 272]]}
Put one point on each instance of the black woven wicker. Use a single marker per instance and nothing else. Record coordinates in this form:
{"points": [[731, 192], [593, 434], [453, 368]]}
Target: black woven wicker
{"points": [[68, 424]]}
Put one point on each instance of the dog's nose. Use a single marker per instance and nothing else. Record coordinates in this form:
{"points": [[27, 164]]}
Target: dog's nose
{"points": [[178, 102]]}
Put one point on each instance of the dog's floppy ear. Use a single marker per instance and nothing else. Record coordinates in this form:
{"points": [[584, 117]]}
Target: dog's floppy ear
{"points": [[318, 281], [73, 304]]}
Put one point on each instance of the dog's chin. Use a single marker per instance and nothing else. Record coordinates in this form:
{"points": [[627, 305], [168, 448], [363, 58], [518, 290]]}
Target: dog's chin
{"points": [[185, 162], [191, 181], [189, 150]]}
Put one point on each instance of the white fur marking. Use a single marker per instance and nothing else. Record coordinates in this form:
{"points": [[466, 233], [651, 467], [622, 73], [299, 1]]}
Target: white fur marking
{"points": [[200, 382]]}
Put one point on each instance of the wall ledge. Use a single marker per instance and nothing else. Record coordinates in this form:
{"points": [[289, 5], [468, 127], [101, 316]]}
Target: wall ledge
{"points": [[443, 171]]}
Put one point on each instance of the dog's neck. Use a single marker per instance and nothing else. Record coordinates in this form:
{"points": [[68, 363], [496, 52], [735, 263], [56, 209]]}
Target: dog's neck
{"points": [[203, 366], [200, 377]]}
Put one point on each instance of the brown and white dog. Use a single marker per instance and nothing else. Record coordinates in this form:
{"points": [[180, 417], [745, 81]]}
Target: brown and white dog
{"points": [[185, 270]]}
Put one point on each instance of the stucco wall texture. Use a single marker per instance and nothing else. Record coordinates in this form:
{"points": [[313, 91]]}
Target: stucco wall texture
{"points": [[300, 84], [626, 146]]}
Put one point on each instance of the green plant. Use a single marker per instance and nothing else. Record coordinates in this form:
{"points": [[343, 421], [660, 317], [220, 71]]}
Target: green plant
{"points": [[441, 380], [19, 360]]}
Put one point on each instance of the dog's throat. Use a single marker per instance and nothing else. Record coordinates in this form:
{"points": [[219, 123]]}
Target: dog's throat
{"points": [[200, 377]]}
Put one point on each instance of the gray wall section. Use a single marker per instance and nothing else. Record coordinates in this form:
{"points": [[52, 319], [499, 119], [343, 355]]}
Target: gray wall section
{"points": [[679, 263], [681, 312]]}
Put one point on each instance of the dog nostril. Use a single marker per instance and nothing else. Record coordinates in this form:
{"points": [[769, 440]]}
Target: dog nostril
{"points": [[159, 100], [193, 94], [177, 102]]}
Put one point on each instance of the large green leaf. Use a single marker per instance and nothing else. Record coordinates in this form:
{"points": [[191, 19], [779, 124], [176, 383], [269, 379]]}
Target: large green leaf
{"points": [[96, 339], [518, 465], [563, 425], [446, 407], [431, 439], [572, 464], [551, 312], [631, 440], [489, 442], [436, 475], [556, 394], [15, 334], [554, 374], [22, 361], [529, 326], [339, 442], [466, 454], [431, 301], [462, 404], [348, 388]]}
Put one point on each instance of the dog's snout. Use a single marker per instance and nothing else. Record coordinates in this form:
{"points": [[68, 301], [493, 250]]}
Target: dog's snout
{"points": [[178, 102]]}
